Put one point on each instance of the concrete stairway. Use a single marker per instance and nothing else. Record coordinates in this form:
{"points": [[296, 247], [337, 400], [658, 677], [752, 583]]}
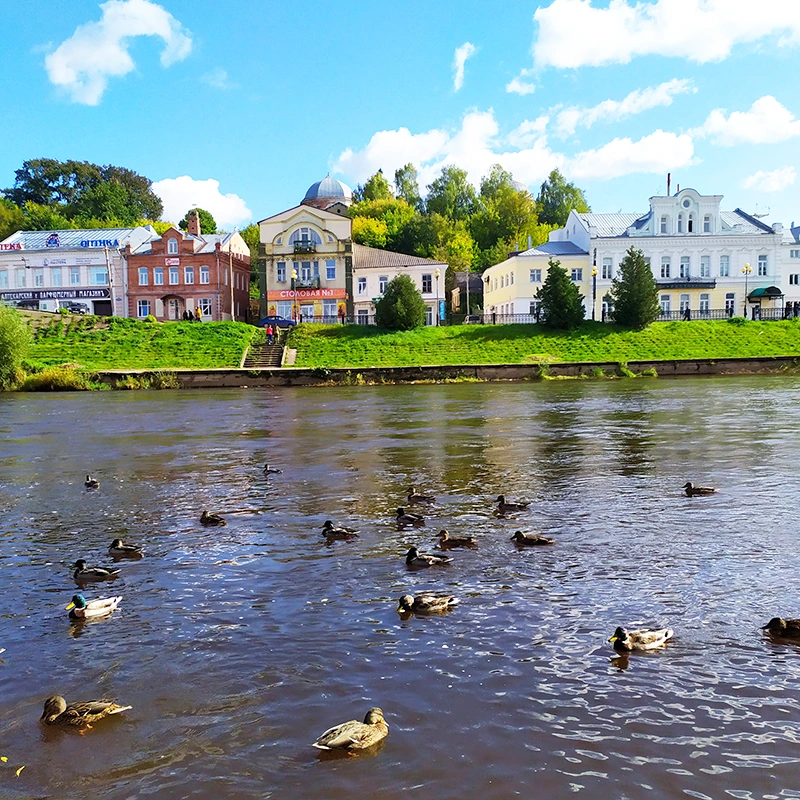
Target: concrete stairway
{"points": [[265, 356]]}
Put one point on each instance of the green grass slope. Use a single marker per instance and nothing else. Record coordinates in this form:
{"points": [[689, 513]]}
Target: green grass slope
{"points": [[98, 343], [364, 346]]}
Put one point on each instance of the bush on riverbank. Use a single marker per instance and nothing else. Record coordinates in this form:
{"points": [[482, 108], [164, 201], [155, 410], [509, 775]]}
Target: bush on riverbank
{"points": [[15, 339], [363, 346], [59, 379]]}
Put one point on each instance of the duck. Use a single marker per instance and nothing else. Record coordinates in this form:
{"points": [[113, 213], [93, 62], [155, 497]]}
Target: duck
{"points": [[626, 641], [530, 539], [80, 715], [788, 628], [409, 519], [426, 603], [504, 507], [211, 519], [355, 735], [268, 470], [416, 559], [697, 491], [446, 541], [120, 549], [91, 483], [84, 574], [79, 608], [337, 531], [415, 497]]}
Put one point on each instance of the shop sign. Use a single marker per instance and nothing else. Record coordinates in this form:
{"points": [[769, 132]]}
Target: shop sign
{"points": [[172, 262], [57, 294], [52, 240], [306, 294], [12, 246], [100, 243]]}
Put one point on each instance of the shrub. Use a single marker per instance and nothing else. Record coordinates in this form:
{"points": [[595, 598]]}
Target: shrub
{"points": [[57, 379], [150, 318], [15, 341], [401, 308]]}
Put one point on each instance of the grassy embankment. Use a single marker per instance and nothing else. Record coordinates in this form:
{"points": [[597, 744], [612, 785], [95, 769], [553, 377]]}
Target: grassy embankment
{"points": [[361, 346]]}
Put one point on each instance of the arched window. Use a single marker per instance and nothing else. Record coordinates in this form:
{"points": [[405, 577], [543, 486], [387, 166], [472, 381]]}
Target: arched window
{"points": [[680, 223], [690, 229], [305, 235], [664, 224]]}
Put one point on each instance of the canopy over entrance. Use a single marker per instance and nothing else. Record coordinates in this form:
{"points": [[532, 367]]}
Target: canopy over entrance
{"points": [[770, 293]]}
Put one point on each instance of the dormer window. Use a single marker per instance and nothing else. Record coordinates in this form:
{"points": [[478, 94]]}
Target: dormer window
{"points": [[172, 246], [707, 223], [664, 224], [680, 223]]}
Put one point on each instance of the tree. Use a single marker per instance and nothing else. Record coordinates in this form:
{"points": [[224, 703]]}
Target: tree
{"points": [[44, 218], [401, 308], [561, 302], [634, 291], [15, 339], [207, 222], [451, 194], [557, 198], [406, 186], [394, 214], [497, 179], [369, 232], [11, 218], [377, 188]]}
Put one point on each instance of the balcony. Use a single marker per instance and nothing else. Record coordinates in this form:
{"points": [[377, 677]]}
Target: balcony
{"points": [[307, 283], [686, 283], [305, 246]]}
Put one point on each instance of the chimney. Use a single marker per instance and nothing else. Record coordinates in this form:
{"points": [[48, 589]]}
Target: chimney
{"points": [[530, 241], [193, 223], [678, 189], [669, 182]]}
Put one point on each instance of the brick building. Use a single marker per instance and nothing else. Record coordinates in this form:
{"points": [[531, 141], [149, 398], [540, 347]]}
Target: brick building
{"points": [[180, 272]]}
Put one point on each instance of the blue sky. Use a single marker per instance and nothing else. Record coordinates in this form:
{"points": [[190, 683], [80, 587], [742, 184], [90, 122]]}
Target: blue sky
{"points": [[239, 107]]}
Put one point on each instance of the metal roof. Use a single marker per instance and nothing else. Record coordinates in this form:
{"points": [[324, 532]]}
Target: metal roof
{"points": [[608, 225], [329, 187], [555, 249], [365, 257], [71, 238], [207, 243]]}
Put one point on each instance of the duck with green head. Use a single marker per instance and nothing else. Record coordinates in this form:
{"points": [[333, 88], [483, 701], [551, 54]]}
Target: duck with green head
{"points": [[79, 608]]}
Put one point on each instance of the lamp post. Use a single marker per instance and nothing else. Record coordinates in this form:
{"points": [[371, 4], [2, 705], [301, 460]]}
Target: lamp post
{"points": [[746, 270], [294, 290], [436, 275], [594, 290]]}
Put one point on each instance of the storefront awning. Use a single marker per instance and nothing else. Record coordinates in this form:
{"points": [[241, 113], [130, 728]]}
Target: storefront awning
{"points": [[770, 293]]}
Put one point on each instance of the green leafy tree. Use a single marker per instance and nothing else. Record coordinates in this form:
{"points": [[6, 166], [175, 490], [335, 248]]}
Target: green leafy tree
{"points": [[451, 194], [395, 214], [44, 218], [369, 232], [407, 186], [15, 340], [377, 188], [561, 302], [207, 222], [497, 179], [11, 218], [401, 308], [557, 198], [634, 291]]}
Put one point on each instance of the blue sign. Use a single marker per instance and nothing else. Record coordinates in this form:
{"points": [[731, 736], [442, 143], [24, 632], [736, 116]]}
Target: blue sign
{"points": [[100, 243], [52, 241], [441, 309]]}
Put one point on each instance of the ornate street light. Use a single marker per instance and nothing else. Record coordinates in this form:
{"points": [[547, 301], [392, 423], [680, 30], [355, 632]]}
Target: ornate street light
{"points": [[436, 275], [294, 289], [594, 290], [746, 270]]}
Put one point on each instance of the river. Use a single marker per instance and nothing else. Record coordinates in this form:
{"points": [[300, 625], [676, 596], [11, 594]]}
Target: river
{"points": [[237, 646]]}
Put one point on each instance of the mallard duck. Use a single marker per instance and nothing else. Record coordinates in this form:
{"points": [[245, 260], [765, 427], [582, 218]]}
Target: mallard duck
{"points": [[697, 491], [337, 531], [426, 603], [84, 574], [446, 541], [268, 470], [81, 715], [416, 559], [211, 519], [120, 549], [355, 735], [627, 641], [530, 539], [409, 519], [91, 483], [788, 628], [80, 609], [503, 507], [416, 497]]}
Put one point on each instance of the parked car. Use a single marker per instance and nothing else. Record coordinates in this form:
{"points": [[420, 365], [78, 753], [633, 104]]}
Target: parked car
{"points": [[473, 319], [76, 308], [280, 322]]}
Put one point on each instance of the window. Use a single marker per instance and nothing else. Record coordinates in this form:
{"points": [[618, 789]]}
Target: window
{"points": [[279, 240], [142, 308], [98, 276], [690, 228], [684, 268], [173, 275], [329, 310], [794, 254], [188, 274], [330, 270], [280, 272], [794, 280], [762, 265], [38, 277], [534, 309], [705, 303], [363, 317], [4, 279], [502, 281], [724, 266], [607, 269], [305, 237], [74, 276], [19, 279], [576, 274], [172, 246], [158, 276], [205, 306], [684, 303], [664, 223], [330, 238], [427, 284], [680, 223], [665, 303], [55, 276], [705, 266], [665, 267], [316, 269], [382, 282], [143, 277], [536, 276], [730, 304], [205, 275], [284, 309], [512, 278], [707, 223], [305, 271], [362, 285]]}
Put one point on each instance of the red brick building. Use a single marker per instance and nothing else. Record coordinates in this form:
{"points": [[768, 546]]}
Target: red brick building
{"points": [[181, 272]]}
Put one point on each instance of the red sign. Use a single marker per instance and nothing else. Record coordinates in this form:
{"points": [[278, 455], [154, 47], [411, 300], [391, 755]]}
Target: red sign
{"points": [[172, 262], [11, 246], [307, 294]]}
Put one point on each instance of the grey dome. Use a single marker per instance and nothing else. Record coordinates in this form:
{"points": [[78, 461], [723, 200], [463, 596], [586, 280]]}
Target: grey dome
{"points": [[520, 187], [329, 188]]}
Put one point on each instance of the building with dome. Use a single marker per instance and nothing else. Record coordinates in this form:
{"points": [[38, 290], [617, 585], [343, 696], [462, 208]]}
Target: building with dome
{"points": [[329, 195]]}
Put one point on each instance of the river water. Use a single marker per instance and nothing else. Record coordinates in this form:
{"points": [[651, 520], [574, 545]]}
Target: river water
{"points": [[237, 646]]}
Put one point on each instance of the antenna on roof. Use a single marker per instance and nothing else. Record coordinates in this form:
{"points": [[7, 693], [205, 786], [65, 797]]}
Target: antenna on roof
{"points": [[758, 214]]}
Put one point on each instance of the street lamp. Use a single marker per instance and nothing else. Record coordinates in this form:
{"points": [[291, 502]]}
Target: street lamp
{"points": [[594, 290], [436, 275], [294, 289], [746, 270]]}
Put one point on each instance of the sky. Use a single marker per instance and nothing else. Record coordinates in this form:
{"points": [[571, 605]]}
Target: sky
{"points": [[240, 107]]}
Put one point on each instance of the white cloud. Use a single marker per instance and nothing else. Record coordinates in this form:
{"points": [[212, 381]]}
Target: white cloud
{"points": [[528, 132], [467, 50], [217, 79], [98, 51], [775, 181], [577, 33], [615, 110], [520, 86], [766, 122], [180, 194], [658, 152]]}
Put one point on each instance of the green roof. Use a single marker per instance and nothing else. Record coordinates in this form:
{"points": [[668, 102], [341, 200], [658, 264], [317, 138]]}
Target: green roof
{"points": [[770, 291]]}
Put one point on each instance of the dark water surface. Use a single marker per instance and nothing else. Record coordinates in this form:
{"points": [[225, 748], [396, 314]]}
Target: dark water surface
{"points": [[238, 646]]}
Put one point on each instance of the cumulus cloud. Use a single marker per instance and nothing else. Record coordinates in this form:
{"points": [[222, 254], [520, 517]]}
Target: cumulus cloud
{"points": [[775, 181], [97, 51], [467, 50], [528, 131], [577, 33], [519, 85], [217, 79], [180, 194], [767, 122], [615, 110]]}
